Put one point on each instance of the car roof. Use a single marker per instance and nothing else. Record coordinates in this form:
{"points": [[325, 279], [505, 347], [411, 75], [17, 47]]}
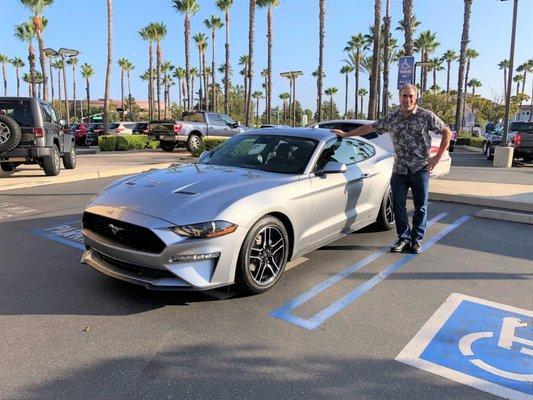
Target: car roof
{"points": [[312, 133], [352, 121]]}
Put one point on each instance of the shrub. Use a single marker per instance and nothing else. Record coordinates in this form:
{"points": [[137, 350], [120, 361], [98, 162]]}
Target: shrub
{"points": [[137, 141], [476, 142], [152, 144], [465, 134], [107, 142], [122, 143], [213, 141]]}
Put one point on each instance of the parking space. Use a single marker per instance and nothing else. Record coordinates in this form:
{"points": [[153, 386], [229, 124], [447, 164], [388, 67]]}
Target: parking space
{"points": [[332, 327]]}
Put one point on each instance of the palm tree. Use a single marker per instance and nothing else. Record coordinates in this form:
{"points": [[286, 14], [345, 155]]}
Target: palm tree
{"points": [[128, 67], [470, 54], [166, 67], [462, 62], [250, 69], [269, 4], [225, 5], [355, 46], [321, 35], [426, 43], [3, 60], [257, 95], [372, 101], [409, 26], [58, 65], [285, 96], [330, 92], [122, 62], [243, 60], [188, 8], [449, 56], [28, 78], [523, 68], [518, 80], [37, 7], [147, 77], [109, 62], [87, 72], [214, 23], [25, 32], [386, 60], [148, 33], [160, 31], [473, 83], [73, 62], [201, 44], [194, 72], [346, 70], [362, 93], [179, 74], [504, 64], [17, 64], [39, 82], [435, 65]]}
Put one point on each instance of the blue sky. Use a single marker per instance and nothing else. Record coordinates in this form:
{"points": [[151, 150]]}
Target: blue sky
{"points": [[81, 24]]}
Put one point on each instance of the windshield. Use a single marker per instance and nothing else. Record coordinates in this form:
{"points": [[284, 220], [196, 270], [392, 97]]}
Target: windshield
{"points": [[272, 153]]}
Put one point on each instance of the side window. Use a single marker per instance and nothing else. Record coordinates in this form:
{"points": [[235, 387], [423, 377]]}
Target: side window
{"points": [[215, 119], [46, 114], [342, 151], [53, 114], [226, 119], [331, 125], [363, 151], [195, 117]]}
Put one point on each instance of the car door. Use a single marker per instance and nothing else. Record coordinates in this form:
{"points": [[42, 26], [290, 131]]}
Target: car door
{"points": [[231, 127], [335, 197], [215, 125]]}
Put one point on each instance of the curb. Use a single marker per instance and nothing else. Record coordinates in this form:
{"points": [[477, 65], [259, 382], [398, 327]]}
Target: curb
{"points": [[480, 201], [506, 216], [469, 148]]}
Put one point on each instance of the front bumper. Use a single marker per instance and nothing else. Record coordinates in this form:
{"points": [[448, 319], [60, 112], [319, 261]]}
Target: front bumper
{"points": [[155, 271]]}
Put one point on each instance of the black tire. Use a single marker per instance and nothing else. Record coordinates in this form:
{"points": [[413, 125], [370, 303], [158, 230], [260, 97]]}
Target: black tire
{"points": [[167, 146], [385, 218], [69, 159], [8, 167], [10, 133], [52, 164], [249, 276], [194, 142]]}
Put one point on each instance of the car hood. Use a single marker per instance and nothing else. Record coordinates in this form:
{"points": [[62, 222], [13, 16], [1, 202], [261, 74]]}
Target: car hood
{"points": [[189, 193]]}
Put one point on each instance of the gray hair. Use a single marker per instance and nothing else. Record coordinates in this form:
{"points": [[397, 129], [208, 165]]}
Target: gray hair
{"points": [[409, 86]]}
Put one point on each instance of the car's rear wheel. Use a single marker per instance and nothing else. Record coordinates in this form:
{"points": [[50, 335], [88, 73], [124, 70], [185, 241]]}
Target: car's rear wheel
{"points": [[69, 159], [8, 167], [51, 165], [263, 256], [386, 214], [167, 146], [10, 133], [194, 143]]}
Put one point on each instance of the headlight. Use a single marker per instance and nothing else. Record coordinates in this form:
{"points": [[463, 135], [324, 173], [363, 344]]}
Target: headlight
{"points": [[205, 229]]}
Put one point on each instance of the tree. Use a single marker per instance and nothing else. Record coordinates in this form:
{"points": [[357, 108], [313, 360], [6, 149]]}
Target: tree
{"points": [[128, 67], [523, 68], [462, 62], [386, 60], [473, 83], [374, 78], [257, 95], [362, 93], [166, 67], [435, 65], [214, 23], [201, 43], [321, 36], [504, 64], [409, 25], [225, 6], [87, 72], [37, 7], [73, 62], [249, 69], [449, 56], [470, 54], [285, 96], [426, 43], [330, 92], [269, 4], [26, 33], [518, 80], [346, 70], [147, 33], [3, 60], [122, 62], [243, 60], [355, 46], [160, 31], [194, 72], [17, 64], [179, 74], [109, 63], [58, 65]]}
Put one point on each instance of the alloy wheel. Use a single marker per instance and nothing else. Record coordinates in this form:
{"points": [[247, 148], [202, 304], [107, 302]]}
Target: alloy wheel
{"points": [[5, 133], [389, 214], [266, 255]]}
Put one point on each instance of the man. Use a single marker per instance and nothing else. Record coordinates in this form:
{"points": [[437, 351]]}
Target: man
{"points": [[409, 128]]}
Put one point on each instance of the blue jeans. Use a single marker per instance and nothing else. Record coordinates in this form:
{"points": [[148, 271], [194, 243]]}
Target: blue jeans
{"points": [[419, 183]]}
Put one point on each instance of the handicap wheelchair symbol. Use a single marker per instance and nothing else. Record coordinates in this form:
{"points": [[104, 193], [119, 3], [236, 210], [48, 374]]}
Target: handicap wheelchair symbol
{"points": [[506, 340], [405, 65]]}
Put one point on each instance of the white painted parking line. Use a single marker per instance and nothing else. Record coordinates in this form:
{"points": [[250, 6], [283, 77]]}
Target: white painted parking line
{"points": [[479, 343], [11, 210]]}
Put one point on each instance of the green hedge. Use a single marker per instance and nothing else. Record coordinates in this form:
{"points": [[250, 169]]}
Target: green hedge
{"points": [[209, 143], [126, 142], [470, 141], [107, 142]]}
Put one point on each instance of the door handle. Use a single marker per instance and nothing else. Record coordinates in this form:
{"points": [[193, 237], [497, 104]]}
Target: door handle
{"points": [[364, 176]]}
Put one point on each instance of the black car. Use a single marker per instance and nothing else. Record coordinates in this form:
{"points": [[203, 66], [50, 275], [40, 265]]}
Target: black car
{"points": [[140, 128], [31, 133], [519, 136]]}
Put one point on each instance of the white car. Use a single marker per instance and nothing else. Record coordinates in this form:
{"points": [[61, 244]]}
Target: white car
{"points": [[385, 141], [121, 128]]}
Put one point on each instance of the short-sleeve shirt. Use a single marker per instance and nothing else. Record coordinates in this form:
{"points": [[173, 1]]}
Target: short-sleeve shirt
{"points": [[411, 137]]}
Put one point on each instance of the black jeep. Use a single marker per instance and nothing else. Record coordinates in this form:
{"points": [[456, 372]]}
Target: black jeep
{"points": [[31, 133]]}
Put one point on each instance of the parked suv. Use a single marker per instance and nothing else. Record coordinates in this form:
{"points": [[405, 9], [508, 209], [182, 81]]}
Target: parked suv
{"points": [[31, 133], [519, 136]]}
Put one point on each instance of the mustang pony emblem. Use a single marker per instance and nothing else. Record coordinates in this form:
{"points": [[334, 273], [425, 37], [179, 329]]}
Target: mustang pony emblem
{"points": [[115, 229]]}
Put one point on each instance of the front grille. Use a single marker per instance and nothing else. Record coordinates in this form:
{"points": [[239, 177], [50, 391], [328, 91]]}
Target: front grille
{"points": [[132, 269], [123, 234]]}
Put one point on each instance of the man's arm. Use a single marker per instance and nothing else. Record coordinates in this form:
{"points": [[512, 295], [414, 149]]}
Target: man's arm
{"points": [[362, 130], [444, 142]]}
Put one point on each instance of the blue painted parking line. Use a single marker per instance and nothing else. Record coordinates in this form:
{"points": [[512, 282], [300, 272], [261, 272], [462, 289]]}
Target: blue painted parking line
{"points": [[68, 233], [479, 343], [284, 311]]}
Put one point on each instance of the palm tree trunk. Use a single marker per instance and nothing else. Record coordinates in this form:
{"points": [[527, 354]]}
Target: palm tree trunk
{"points": [[37, 21], [150, 81], [330, 107], [5, 80], [109, 61], [74, 87], [257, 113], [375, 61], [18, 81], [465, 88], [435, 80], [269, 81], [187, 54], [129, 96], [88, 98], [284, 111], [192, 89], [51, 79], [201, 79], [206, 97], [357, 55], [346, 96], [385, 99], [448, 77], [517, 88], [464, 44], [158, 77], [250, 70], [122, 91], [408, 29], [213, 94], [362, 97], [505, 81], [58, 87], [31, 59], [226, 71], [321, 36]]}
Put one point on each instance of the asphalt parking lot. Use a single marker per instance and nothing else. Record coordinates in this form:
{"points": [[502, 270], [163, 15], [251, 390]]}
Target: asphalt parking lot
{"points": [[331, 328]]}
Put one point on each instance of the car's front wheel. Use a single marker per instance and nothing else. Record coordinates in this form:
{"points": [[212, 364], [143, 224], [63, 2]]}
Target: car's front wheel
{"points": [[51, 165], [263, 256], [69, 159]]}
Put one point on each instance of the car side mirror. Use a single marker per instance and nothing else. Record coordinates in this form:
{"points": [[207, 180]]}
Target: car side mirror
{"points": [[202, 155], [333, 167]]}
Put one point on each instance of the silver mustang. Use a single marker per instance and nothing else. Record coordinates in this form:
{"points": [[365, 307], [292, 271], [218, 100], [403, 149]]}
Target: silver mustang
{"points": [[241, 213]]}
